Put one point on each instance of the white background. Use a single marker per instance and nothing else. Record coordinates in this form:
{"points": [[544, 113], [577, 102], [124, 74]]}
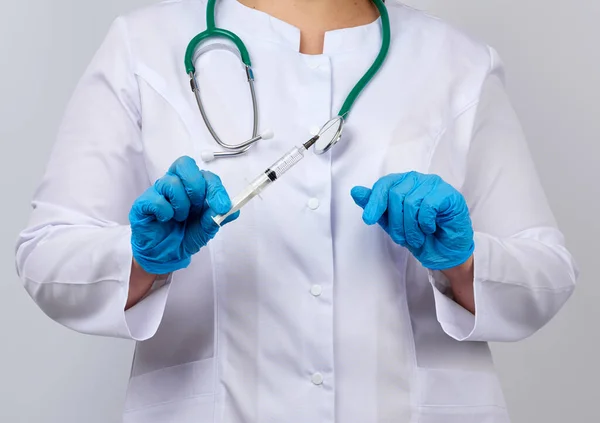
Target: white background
{"points": [[552, 52]]}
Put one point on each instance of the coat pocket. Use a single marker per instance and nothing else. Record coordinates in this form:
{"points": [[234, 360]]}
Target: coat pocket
{"points": [[182, 394], [460, 396]]}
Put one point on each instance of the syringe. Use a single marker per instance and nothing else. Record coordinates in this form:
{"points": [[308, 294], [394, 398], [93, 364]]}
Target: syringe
{"points": [[266, 178]]}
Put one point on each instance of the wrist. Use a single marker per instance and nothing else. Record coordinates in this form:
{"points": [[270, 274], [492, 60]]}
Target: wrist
{"points": [[461, 280], [140, 283], [153, 267], [461, 272], [140, 272]]}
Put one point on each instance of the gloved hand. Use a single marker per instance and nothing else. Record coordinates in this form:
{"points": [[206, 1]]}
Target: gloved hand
{"points": [[422, 213], [172, 220]]}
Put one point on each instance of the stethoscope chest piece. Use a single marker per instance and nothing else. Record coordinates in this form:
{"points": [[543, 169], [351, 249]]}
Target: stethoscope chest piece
{"points": [[329, 135]]}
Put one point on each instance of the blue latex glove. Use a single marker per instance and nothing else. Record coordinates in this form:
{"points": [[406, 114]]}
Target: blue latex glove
{"points": [[172, 220], [422, 213]]}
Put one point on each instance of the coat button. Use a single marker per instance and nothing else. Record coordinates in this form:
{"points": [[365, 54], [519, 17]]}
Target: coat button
{"points": [[317, 379], [316, 290], [313, 203]]}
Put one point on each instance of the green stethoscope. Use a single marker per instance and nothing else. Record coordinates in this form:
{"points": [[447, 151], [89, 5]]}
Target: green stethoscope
{"points": [[194, 50]]}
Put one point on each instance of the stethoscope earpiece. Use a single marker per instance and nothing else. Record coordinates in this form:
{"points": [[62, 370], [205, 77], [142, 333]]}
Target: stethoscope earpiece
{"points": [[267, 134], [207, 156]]}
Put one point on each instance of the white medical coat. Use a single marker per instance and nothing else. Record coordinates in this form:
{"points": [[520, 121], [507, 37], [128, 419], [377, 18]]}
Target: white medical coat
{"points": [[298, 312]]}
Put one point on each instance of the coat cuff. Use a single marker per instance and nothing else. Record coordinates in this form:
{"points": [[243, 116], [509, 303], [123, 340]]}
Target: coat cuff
{"points": [[140, 322], [144, 318], [455, 320]]}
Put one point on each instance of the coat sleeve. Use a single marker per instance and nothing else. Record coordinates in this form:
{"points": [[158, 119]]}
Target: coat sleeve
{"points": [[523, 272], [74, 257]]}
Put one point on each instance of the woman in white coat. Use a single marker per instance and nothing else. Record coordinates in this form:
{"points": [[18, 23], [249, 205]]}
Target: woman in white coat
{"points": [[366, 283]]}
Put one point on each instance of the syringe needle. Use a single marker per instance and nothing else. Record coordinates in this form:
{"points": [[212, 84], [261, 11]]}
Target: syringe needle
{"points": [[308, 144]]}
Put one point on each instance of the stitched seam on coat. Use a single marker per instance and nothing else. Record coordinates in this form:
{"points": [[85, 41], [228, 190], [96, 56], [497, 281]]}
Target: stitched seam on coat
{"points": [[532, 288], [191, 363], [171, 105], [520, 284], [442, 131], [102, 224], [121, 22], [159, 404], [461, 406], [30, 280]]}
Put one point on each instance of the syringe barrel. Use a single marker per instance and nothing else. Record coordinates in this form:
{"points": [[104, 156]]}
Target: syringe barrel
{"points": [[248, 193], [263, 180], [286, 162]]}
